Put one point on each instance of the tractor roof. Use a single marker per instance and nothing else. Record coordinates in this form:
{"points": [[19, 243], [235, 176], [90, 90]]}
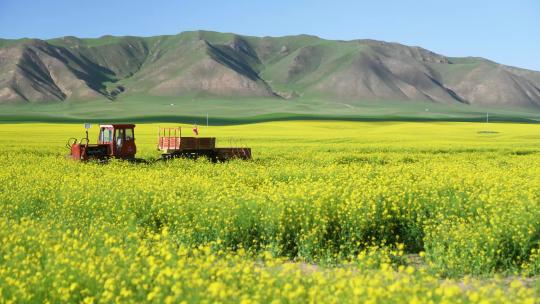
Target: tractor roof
{"points": [[118, 126]]}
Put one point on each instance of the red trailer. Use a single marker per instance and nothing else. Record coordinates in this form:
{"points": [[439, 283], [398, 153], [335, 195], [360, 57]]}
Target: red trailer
{"points": [[173, 144]]}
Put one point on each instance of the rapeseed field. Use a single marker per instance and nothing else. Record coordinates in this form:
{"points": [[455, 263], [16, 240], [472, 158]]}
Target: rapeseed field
{"points": [[326, 212]]}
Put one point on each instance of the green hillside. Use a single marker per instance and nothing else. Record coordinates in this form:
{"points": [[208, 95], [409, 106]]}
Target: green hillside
{"points": [[232, 77]]}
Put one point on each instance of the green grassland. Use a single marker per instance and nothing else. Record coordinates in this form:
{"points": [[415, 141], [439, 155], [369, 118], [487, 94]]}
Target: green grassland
{"points": [[327, 211], [221, 111]]}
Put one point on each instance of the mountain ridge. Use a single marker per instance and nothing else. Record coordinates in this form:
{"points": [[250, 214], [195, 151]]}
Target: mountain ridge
{"points": [[204, 63]]}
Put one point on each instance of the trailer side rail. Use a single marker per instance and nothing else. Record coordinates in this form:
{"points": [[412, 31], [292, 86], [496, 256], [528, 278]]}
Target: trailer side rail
{"points": [[169, 138]]}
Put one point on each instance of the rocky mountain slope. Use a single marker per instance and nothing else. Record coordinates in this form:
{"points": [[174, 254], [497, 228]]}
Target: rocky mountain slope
{"points": [[221, 64]]}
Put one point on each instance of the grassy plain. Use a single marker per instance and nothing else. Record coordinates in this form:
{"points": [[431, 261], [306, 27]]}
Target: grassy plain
{"points": [[326, 212], [223, 111]]}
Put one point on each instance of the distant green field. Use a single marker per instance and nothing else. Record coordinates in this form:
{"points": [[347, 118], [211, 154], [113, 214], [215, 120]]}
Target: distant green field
{"points": [[250, 110]]}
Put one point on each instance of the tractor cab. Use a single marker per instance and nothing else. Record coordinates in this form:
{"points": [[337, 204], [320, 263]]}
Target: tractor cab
{"points": [[115, 140], [119, 138]]}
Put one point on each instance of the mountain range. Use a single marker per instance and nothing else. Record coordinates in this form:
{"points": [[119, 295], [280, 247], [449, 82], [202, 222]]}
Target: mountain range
{"points": [[205, 64]]}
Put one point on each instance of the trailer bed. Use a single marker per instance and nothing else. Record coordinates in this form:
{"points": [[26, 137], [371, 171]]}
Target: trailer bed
{"points": [[173, 144]]}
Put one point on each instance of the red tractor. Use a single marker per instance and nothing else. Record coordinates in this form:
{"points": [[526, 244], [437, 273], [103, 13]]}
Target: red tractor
{"points": [[115, 141], [118, 141]]}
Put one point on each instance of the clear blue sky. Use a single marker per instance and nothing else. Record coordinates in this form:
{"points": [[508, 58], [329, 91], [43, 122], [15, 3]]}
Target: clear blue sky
{"points": [[504, 31]]}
